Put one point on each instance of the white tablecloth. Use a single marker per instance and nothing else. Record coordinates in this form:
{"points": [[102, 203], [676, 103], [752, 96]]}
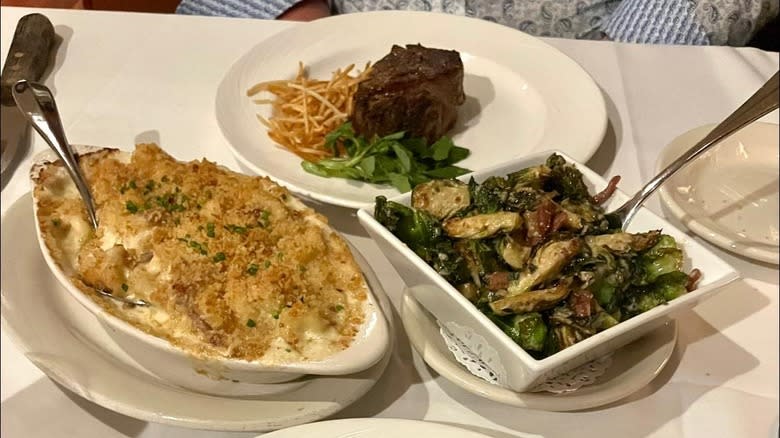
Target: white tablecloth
{"points": [[119, 76]]}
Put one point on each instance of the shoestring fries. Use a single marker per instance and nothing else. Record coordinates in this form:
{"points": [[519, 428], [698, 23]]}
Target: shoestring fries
{"points": [[304, 110]]}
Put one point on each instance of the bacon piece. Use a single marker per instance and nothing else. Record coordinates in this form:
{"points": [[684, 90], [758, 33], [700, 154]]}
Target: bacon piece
{"points": [[602, 196], [558, 221], [693, 278], [539, 222], [497, 280], [580, 301]]}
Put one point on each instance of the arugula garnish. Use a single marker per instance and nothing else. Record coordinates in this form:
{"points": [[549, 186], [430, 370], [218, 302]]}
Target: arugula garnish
{"points": [[393, 159]]}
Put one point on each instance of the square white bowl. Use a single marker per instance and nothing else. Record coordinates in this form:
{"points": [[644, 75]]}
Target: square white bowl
{"points": [[515, 368]]}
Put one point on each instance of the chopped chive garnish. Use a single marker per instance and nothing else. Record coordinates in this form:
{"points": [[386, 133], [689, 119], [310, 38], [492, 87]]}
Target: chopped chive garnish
{"points": [[149, 187], [267, 264], [201, 248], [250, 322], [339, 307], [264, 218], [275, 315], [218, 257], [252, 269], [56, 222], [124, 287], [131, 207], [236, 229], [132, 185], [210, 229]]}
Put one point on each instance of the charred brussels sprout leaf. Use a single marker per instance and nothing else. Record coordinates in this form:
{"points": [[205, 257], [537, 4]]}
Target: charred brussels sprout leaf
{"points": [[489, 196], [415, 228], [666, 288], [530, 177], [566, 180]]}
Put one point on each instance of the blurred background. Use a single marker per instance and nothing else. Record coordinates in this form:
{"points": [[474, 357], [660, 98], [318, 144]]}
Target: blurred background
{"points": [[160, 6], [767, 38]]}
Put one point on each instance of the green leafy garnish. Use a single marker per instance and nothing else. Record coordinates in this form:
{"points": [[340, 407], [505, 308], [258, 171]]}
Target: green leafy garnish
{"points": [[250, 322], [125, 287], [393, 159], [210, 229], [252, 269], [218, 257]]}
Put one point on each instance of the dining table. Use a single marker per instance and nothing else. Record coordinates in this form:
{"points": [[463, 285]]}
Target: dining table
{"points": [[122, 78]]}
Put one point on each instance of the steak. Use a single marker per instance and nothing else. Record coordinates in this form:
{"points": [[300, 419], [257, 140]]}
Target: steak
{"points": [[414, 89]]}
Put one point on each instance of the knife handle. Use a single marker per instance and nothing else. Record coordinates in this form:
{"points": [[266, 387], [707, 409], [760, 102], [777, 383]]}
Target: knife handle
{"points": [[29, 54]]}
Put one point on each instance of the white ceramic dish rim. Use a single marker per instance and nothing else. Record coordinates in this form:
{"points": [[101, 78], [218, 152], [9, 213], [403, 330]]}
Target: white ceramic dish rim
{"points": [[448, 368], [369, 377], [367, 348], [526, 359], [362, 427], [700, 228], [236, 69]]}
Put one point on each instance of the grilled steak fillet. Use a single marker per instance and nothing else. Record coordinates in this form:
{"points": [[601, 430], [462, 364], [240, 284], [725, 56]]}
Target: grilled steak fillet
{"points": [[413, 89]]}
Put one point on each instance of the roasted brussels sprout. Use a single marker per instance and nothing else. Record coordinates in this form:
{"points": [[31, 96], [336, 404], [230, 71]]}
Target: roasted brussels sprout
{"points": [[535, 252], [481, 226], [441, 198], [527, 330]]}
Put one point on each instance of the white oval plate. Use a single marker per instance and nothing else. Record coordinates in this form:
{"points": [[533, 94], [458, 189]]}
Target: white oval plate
{"points": [[522, 94], [632, 368], [729, 196], [67, 343], [374, 428]]}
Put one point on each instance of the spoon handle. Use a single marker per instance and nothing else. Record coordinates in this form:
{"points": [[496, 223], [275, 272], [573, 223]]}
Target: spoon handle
{"points": [[38, 106], [762, 102]]}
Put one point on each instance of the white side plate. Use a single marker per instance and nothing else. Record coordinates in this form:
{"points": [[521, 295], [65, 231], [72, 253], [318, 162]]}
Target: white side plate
{"points": [[375, 428], [729, 196], [523, 95], [632, 368]]}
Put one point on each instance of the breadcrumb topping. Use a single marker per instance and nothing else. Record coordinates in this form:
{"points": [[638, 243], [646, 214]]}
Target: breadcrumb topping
{"points": [[233, 265]]}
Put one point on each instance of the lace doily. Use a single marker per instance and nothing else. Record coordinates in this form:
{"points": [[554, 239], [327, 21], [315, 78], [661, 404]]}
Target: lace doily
{"points": [[476, 355]]}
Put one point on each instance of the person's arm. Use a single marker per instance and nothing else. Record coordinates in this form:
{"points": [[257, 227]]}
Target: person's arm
{"points": [[700, 22], [307, 10], [301, 10]]}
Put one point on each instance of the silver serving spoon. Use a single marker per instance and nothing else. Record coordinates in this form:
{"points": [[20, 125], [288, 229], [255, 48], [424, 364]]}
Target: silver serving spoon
{"points": [[762, 102], [37, 104]]}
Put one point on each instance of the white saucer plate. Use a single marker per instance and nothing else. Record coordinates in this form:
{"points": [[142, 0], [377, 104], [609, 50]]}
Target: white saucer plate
{"points": [[523, 95], [67, 343], [374, 428], [633, 366], [729, 196]]}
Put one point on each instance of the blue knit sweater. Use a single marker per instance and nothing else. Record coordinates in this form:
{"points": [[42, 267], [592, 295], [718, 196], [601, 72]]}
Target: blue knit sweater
{"points": [[700, 22]]}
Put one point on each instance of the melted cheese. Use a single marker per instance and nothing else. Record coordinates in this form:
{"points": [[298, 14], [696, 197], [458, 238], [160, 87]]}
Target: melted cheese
{"points": [[234, 266]]}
